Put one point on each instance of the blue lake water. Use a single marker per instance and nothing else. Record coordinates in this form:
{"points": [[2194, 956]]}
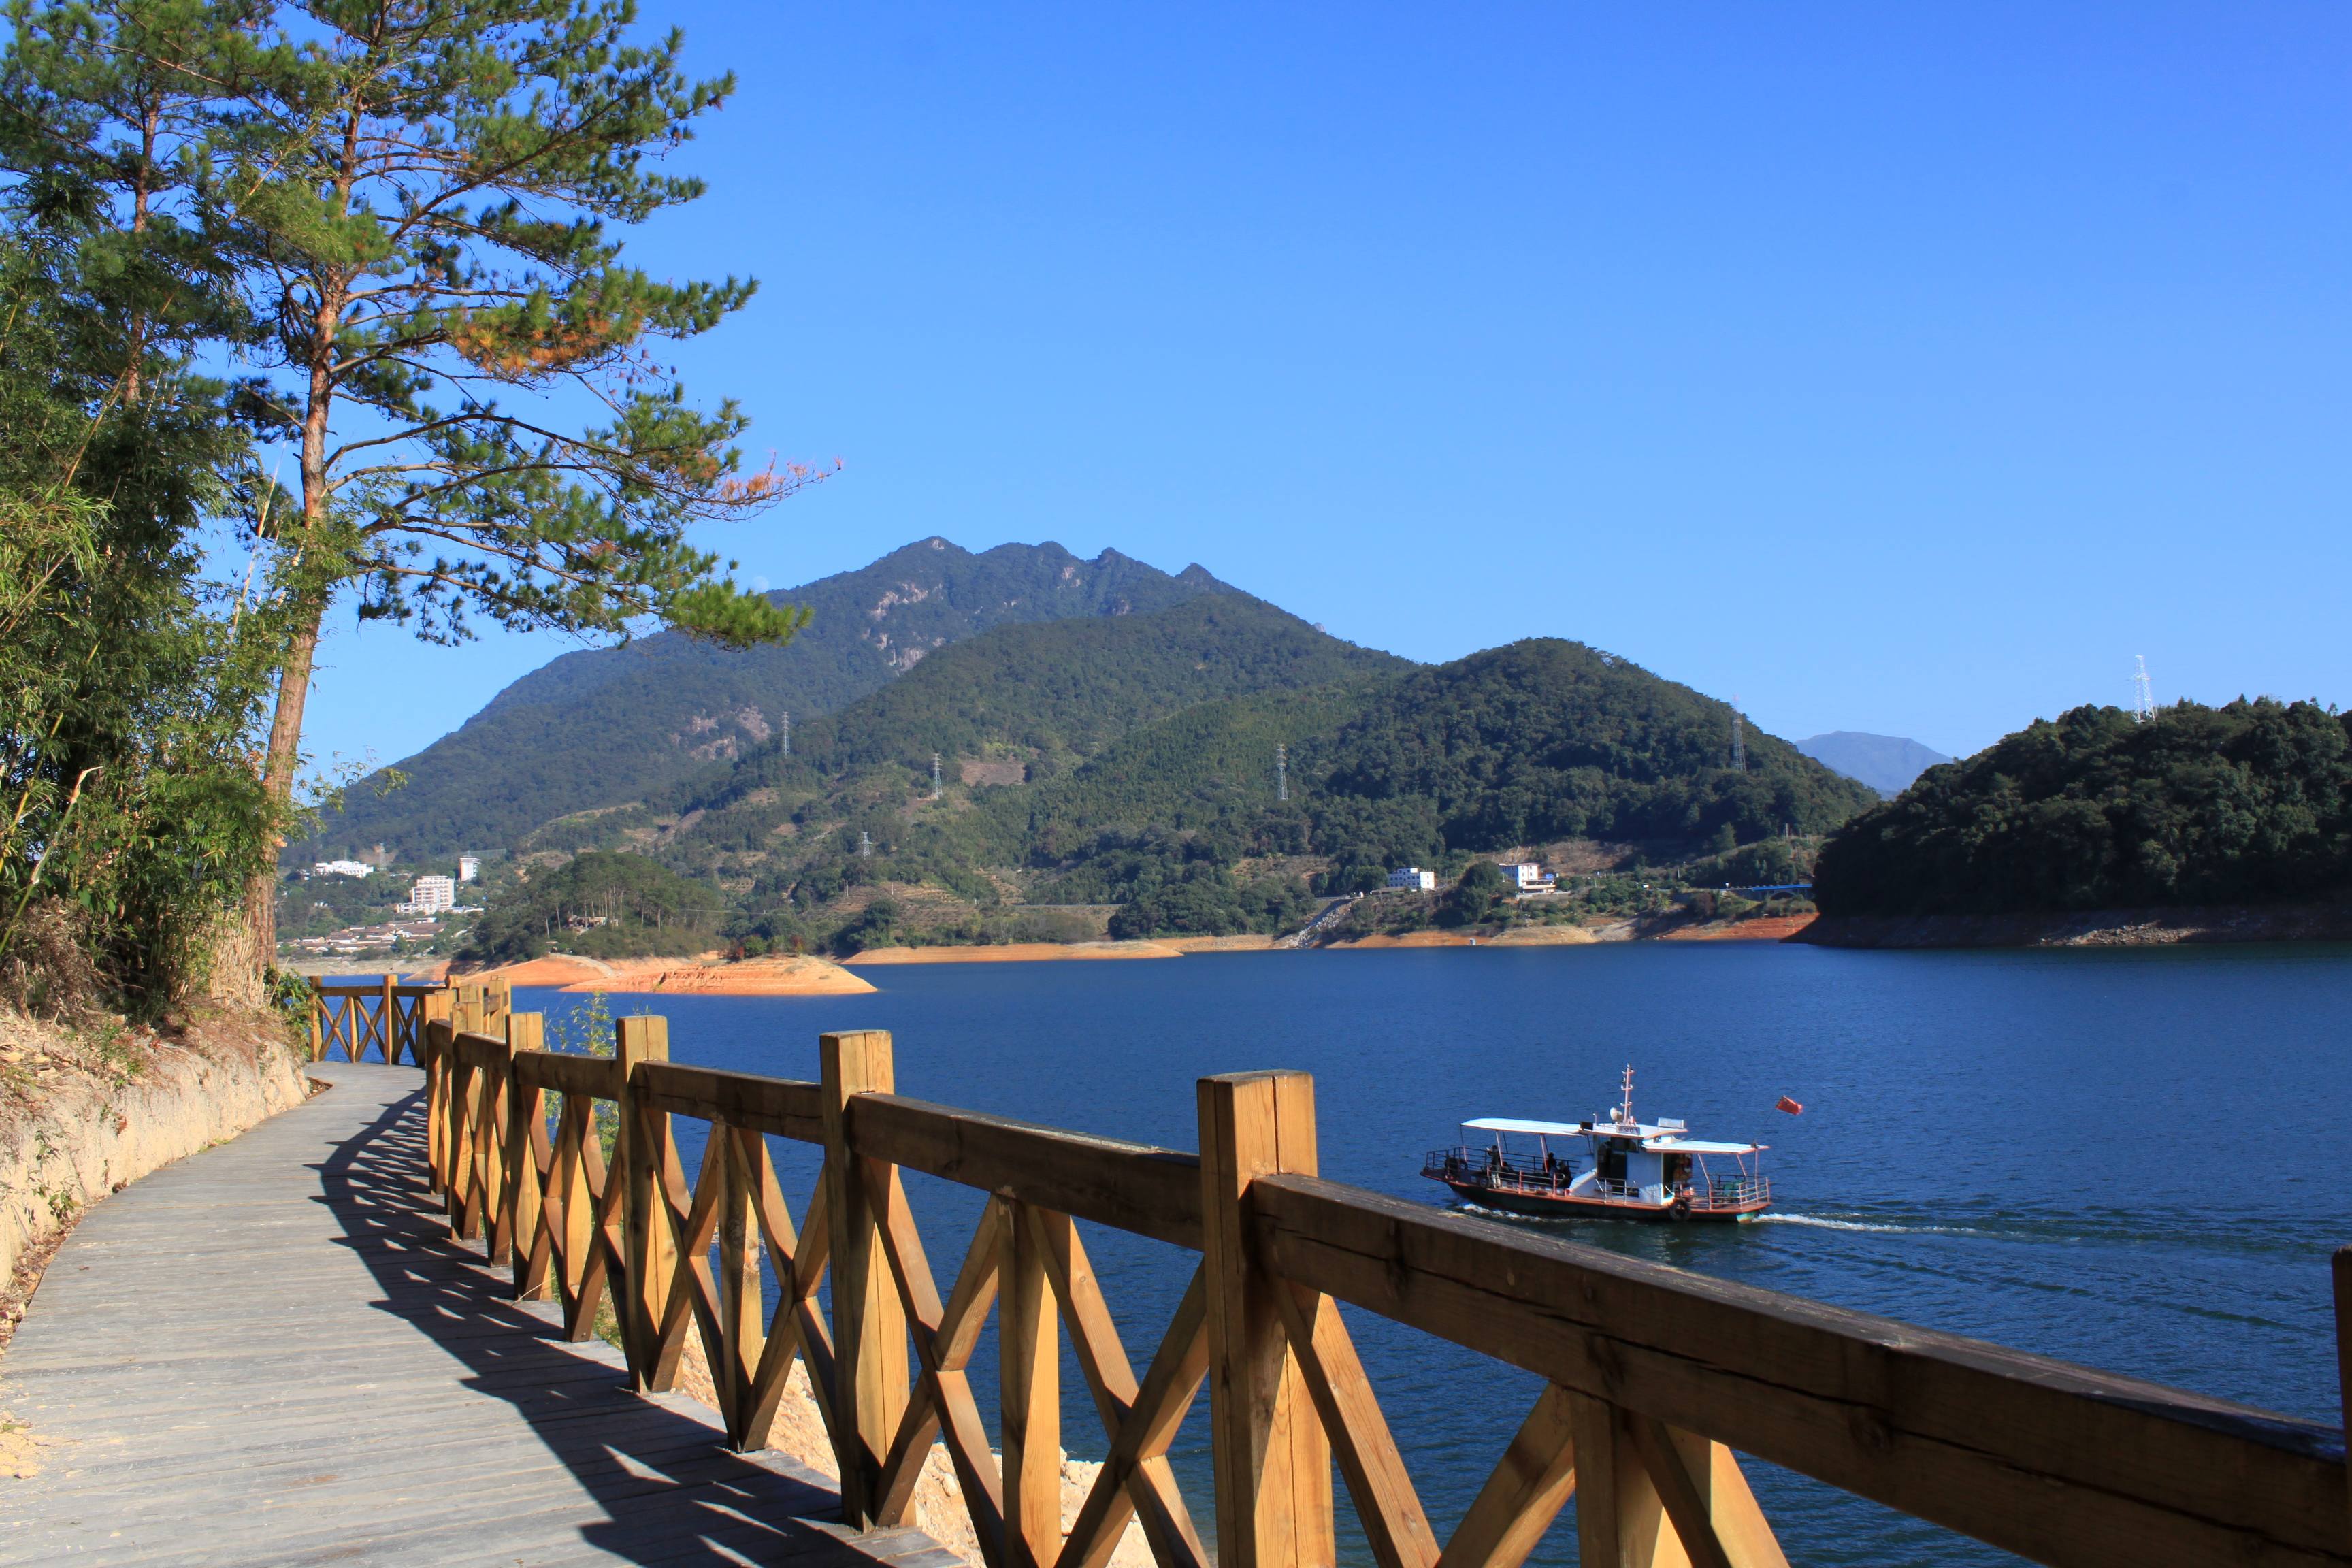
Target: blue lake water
{"points": [[2130, 1159]]}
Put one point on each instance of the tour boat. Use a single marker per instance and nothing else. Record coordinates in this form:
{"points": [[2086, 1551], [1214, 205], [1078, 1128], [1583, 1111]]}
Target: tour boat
{"points": [[1627, 1169]]}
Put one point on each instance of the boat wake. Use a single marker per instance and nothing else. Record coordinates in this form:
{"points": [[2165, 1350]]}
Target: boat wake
{"points": [[1819, 1222]]}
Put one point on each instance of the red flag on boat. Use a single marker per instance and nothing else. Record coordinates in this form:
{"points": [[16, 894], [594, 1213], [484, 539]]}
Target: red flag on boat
{"points": [[1791, 1106]]}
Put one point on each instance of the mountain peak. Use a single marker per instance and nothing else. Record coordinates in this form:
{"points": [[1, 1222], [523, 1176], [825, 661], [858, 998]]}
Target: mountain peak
{"points": [[1888, 763], [667, 705]]}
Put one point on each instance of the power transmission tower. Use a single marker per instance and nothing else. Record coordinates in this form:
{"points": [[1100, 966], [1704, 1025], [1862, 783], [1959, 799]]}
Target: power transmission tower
{"points": [[864, 846], [935, 775], [1281, 771], [785, 721], [1739, 739], [2143, 701]]}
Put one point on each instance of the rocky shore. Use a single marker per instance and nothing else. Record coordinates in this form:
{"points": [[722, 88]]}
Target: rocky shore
{"points": [[707, 975]]}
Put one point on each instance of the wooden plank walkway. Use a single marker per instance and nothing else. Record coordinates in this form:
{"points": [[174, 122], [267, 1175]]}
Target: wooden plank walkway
{"points": [[270, 1353]]}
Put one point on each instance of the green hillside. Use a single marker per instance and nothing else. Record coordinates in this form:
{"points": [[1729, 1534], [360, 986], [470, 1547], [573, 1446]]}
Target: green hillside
{"points": [[1129, 761], [607, 726], [2251, 803], [1546, 739], [1032, 700], [1057, 692], [1535, 742], [1176, 820]]}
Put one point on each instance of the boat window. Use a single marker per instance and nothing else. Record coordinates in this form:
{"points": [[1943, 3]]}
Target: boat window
{"points": [[1610, 1165]]}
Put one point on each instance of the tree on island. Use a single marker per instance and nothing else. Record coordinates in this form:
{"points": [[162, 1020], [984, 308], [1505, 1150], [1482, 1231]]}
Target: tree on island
{"points": [[417, 207], [2250, 802]]}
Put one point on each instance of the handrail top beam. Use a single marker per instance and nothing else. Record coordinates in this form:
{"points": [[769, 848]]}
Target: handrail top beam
{"points": [[1892, 1335]]}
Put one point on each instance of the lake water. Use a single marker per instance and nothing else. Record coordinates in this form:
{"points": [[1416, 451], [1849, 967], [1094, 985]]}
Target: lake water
{"points": [[2123, 1158]]}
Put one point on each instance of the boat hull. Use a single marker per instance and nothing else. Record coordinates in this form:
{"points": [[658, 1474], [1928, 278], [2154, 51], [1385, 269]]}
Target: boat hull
{"points": [[1561, 1205]]}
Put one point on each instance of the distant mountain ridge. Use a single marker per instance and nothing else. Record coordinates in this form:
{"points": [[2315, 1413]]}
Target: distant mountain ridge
{"points": [[1543, 738], [1140, 758], [604, 726], [1888, 763]]}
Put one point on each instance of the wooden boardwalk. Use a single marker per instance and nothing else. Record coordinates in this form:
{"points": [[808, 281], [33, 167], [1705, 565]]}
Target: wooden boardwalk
{"points": [[271, 1354]]}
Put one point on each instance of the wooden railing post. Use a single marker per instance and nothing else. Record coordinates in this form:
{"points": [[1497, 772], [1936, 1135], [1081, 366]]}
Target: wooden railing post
{"points": [[515, 1218], [1029, 1361], [1268, 1451], [742, 1317], [318, 1021], [579, 1151], [478, 1184], [869, 1326], [398, 1034], [1647, 1493], [438, 1033], [388, 1011], [464, 1017], [643, 1135], [433, 1011]]}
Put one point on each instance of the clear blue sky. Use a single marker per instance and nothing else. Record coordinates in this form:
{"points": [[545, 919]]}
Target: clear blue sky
{"points": [[1905, 369]]}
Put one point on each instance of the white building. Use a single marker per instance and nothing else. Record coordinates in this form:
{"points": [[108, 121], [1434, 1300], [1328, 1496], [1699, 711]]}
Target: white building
{"points": [[1526, 876], [341, 869], [431, 895], [1415, 878], [469, 868]]}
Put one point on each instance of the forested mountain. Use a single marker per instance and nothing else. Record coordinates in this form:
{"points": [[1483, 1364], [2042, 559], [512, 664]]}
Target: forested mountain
{"points": [[1047, 694], [1120, 751], [1537, 742], [1546, 739], [601, 727], [1014, 706], [1888, 763], [1388, 762], [2250, 802]]}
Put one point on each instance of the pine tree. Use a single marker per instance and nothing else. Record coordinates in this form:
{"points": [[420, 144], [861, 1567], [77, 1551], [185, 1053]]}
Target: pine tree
{"points": [[416, 211]]}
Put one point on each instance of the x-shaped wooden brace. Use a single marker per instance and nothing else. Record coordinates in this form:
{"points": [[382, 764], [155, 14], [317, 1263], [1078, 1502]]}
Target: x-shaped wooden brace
{"points": [[1140, 1419], [945, 1336], [592, 1257], [744, 1391], [1529, 1486], [749, 1389], [797, 1328]]}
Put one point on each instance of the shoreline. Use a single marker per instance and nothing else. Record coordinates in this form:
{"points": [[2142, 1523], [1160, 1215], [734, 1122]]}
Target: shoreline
{"points": [[2174, 926], [1060, 952], [707, 975]]}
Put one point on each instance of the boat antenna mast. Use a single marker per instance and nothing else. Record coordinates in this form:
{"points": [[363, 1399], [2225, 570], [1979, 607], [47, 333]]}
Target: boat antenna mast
{"points": [[1624, 1113]]}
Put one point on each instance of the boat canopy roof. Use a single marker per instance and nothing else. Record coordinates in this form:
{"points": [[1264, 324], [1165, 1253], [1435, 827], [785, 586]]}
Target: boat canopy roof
{"points": [[1656, 1139], [1533, 1129]]}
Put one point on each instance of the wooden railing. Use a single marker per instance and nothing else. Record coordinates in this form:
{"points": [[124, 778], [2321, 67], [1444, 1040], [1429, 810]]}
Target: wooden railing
{"points": [[388, 1016], [1653, 1377]]}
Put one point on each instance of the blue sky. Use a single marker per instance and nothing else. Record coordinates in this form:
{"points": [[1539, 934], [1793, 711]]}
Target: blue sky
{"points": [[1907, 369]]}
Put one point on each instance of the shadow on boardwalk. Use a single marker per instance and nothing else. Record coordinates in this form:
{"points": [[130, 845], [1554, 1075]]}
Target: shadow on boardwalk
{"points": [[271, 1352], [672, 1492]]}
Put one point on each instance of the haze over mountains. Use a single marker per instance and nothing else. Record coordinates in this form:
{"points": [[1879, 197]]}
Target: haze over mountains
{"points": [[1888, 763]]}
